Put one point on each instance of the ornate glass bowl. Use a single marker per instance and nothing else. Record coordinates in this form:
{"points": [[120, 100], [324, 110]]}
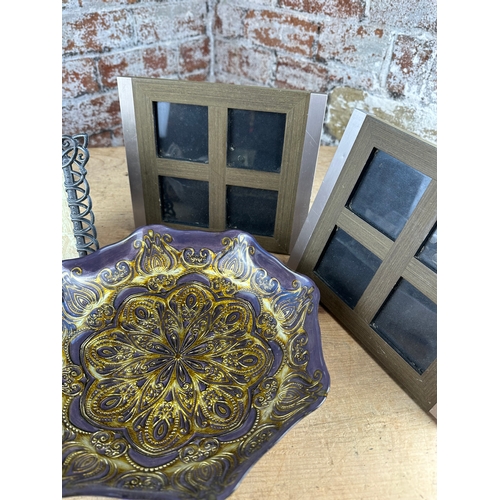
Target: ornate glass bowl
{"points": [[186, 356]]}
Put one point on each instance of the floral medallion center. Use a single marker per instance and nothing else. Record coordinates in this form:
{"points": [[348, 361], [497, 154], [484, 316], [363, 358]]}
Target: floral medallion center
{"points": [[174, 366]]}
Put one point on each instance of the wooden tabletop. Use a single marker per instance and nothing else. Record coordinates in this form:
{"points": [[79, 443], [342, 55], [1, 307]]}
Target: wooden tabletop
{"points": [[369, 439]]}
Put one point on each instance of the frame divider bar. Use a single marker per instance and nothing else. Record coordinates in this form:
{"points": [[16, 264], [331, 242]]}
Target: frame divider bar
{"points": [[217, 141], [399, 256]]}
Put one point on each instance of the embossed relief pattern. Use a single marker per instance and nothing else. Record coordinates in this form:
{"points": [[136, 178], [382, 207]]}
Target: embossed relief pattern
{"points": [[178, 367]]}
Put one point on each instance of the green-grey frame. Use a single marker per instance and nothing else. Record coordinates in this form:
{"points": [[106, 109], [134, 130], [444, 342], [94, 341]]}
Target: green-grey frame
{"points": [[330, 210], [304, 119]]}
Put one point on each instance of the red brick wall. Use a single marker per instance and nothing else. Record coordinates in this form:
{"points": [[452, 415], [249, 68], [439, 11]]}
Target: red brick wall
{"points": [[106, 38], [377, 55]]}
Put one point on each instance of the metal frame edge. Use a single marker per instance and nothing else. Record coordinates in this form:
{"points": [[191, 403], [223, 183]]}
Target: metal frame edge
{"points": [[126, 97], [310, 152], [337, 164]]}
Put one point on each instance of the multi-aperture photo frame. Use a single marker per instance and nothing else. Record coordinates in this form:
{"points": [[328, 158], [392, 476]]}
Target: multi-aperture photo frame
{"points": [[215, 156], [370, 244]]}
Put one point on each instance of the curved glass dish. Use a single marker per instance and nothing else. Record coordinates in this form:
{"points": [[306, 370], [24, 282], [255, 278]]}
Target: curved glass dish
{"points": [[186, 356]]}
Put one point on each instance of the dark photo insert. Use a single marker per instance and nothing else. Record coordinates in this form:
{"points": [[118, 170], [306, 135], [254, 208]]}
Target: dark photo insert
{"points": [[251, 210], [184, 201], [347, 267], [255, 140], [182, 131], [387, 193], [408, 323]]}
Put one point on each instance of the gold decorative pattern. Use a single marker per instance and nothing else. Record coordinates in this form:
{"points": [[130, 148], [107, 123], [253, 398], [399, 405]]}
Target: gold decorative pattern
{"points": [[180, 367]]}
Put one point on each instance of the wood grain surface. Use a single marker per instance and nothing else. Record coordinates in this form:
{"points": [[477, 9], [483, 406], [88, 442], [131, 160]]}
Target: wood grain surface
{"points": [[369, 439]]}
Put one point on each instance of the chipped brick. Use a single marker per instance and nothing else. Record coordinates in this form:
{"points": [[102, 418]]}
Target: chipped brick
{"points": [[164, 22], [410, 64], [97, 32], [121, 64], [91, 115], [151, 62], [228, 20], [79, 78], [158, 62], [301, 75], [194, 56], [252, 63], [352, 44], [281, 31], [337, 8], [405, 13]]}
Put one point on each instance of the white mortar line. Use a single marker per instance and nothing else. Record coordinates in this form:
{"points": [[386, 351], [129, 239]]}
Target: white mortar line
{"points": [[211, 37]]}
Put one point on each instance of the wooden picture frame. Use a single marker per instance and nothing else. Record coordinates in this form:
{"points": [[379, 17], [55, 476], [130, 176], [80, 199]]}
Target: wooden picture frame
{"points": [[370, 244], [217, 178]]}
